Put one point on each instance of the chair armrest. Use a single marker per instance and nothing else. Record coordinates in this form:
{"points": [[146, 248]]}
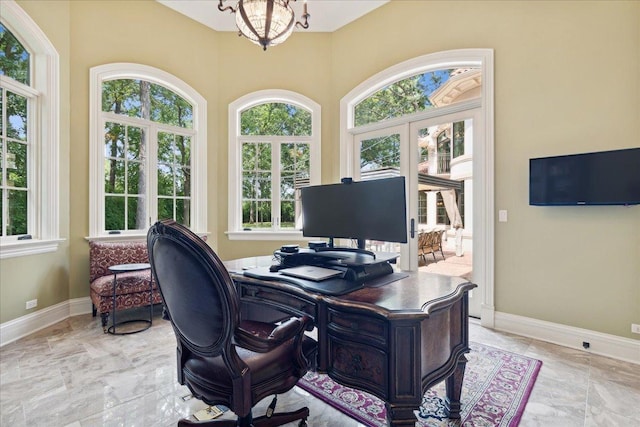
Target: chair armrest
{"points": [[292, 328]]}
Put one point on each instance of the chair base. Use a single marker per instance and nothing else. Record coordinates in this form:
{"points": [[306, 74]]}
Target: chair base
{"points": [[277, 419]]}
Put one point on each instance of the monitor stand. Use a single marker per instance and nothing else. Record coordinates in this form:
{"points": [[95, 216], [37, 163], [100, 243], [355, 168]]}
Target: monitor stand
{"points": [[345, 249], [358, 265]]}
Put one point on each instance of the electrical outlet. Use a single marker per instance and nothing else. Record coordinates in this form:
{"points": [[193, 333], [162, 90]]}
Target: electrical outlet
{"points": [[32, 303], [635, 328]]}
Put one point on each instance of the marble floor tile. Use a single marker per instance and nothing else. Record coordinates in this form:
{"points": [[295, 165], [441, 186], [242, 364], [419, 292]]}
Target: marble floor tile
{"points": [[71, 374]]}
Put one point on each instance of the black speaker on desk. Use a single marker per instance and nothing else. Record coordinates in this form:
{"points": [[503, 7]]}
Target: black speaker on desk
{"points": [[290, 249], [317, 244]]}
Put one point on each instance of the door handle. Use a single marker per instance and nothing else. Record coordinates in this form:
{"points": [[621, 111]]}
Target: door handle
{"points": [[413, 228]]}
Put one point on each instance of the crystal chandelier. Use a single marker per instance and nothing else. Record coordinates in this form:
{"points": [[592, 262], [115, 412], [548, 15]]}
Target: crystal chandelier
{"points": [[266, 22]]}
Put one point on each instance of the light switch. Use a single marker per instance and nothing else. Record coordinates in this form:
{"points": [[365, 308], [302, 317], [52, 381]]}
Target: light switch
{"points": [[502, 215]]}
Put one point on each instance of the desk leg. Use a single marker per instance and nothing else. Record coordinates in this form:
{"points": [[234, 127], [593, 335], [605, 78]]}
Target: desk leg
{"points": [[401, 416], [454, 388]]}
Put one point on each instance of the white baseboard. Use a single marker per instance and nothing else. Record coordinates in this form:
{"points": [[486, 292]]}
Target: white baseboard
{"points": [[22, 326], [601, 344]]}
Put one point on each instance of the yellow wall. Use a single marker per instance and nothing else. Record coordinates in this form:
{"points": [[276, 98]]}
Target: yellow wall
{"points": [[45, 277], [567, 79], [300, 65], [143, 32]]}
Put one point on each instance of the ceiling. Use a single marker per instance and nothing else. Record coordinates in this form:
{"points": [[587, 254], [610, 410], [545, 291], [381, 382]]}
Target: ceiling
{"points": [[326, 15]]}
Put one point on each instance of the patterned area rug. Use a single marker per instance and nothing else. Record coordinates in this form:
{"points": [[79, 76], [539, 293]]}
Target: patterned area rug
{"points": [[496, 387]]}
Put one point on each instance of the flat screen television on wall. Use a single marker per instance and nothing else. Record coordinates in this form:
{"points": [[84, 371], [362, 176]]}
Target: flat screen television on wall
{"points": [[364, 210], [600, 178]]}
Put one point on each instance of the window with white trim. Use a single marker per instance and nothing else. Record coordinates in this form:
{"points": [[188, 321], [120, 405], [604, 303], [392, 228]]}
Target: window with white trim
{"points": [[274, 150], [29, 138], [148, 151]]}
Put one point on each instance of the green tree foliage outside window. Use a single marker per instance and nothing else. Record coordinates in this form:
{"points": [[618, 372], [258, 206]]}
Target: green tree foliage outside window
{"points": [[277, 123], [174, 177], [127, 154], [14, 58], [380, 153], [15, 138], [275, 119], [407, 96], [256, 185]]}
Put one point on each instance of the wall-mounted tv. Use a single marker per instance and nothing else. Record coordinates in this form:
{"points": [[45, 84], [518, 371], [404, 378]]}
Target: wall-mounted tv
{"points": [[600, 178], [363, 210]]}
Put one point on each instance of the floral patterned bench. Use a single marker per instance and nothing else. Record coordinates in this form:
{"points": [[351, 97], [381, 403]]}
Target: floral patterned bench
{"points": [[132, 288]]}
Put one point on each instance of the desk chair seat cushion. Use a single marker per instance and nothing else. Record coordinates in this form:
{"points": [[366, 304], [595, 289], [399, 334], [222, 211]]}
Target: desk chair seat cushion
{"points": [[277, 365]]}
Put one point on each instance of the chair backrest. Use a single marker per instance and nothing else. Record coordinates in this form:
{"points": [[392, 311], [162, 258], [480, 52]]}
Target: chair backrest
{"points": [[437, 238], [199, 295], [423, 239]]}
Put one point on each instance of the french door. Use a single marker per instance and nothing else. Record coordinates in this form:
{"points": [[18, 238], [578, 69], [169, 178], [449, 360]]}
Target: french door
{"points": [[434, 160]]}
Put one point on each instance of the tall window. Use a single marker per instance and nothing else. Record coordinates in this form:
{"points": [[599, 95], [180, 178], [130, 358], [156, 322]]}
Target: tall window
{"points": [[444, 152], [29, 137], [145, 157], [274, 151], [16, 102], [422, 207], [458, 139], [441, 211]]}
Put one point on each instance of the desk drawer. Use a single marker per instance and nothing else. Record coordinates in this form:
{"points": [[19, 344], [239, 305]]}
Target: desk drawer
{"points": [[281, 301], [358, 327], [358, 365]]}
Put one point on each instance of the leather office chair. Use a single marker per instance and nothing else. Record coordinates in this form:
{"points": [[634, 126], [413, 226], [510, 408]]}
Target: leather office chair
{"points": [[221, 359]]}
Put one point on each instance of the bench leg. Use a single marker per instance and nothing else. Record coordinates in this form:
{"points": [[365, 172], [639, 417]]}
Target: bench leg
{"points": [[105, 319]]}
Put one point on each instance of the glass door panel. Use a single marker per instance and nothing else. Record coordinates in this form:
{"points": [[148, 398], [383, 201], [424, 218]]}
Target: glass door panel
{"points": [[379, 156]]}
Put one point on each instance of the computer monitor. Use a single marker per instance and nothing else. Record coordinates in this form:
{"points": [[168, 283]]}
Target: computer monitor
{"points": [[364, 210]]}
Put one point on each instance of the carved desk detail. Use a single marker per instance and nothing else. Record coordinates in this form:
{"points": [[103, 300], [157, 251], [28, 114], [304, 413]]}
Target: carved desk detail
{"points": [[394, 341]]}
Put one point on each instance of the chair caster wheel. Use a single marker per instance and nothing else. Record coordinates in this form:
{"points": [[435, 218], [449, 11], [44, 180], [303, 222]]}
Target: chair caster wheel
{"points": [[303, 423]]}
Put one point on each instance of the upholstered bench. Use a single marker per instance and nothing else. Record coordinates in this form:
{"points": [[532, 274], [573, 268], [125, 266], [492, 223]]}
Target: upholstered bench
{"points": [[132, 288]]}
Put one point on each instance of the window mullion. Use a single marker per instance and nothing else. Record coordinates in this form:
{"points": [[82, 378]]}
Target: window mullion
{"points": [[151, 167], [34, 159], [275, 184], [3, 153]]}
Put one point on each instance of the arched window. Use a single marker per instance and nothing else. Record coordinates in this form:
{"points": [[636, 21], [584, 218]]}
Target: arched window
{"points": [[408, 105], [274, 150], [29, 138], [148, 150], [416, 93]]}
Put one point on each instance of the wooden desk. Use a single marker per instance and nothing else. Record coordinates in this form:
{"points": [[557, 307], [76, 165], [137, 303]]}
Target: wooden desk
{"points": [[394, 341]]}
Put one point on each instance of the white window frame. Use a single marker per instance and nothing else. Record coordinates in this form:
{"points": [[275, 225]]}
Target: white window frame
{"points": [[235, 231], [43, 162], [97, 118]]}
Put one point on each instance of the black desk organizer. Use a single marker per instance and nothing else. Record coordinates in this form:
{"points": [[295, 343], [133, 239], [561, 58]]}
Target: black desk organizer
{"points": [[360, 269], [327, 287]]}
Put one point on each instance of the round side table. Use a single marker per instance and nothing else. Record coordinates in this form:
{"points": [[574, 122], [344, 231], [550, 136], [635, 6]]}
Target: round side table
{"points": [[124, 268]]}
